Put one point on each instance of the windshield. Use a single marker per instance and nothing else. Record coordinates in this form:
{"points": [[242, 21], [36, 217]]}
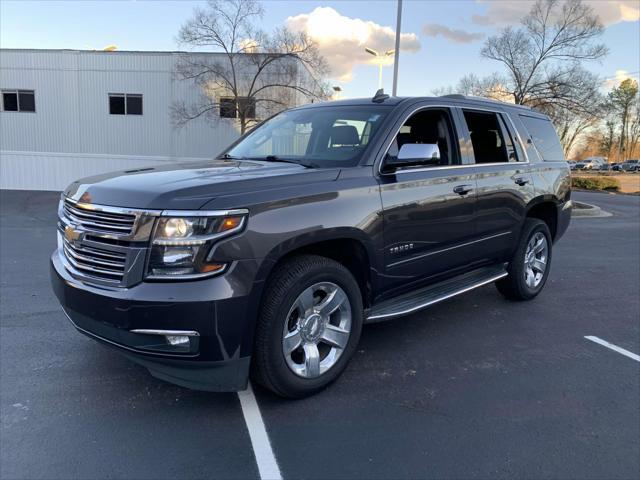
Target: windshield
{"points": [[332, 136]]}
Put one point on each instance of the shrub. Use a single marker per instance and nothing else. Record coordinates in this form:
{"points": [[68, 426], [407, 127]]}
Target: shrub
{"points": [[596, 183]]}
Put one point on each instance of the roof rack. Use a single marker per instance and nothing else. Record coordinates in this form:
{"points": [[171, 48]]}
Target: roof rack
{"points": [[380, 96]]}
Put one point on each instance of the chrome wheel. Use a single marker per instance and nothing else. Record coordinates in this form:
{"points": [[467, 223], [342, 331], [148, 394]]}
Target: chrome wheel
{"points": [[535, 259], [317, 329]]}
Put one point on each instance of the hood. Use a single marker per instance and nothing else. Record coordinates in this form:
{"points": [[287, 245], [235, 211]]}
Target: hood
{"points": [[188, 186]]}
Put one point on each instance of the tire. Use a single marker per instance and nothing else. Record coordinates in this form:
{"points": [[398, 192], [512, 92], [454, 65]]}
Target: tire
{"points": [[290, 315], [519, 284]]}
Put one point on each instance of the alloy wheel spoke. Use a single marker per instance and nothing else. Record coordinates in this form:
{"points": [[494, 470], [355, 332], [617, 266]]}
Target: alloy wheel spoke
{"points": [[311, 360], [291, 341], [335, 336], [305, 301], [332, 302], [530, 277], [539, 246], [539, 265]]}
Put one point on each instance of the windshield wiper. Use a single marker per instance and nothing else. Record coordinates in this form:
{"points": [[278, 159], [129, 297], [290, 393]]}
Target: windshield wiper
{"points": [[275, 158]]}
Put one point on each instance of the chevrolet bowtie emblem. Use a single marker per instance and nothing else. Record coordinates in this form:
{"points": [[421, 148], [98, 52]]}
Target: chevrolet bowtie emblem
{"points": [[71, 234]]}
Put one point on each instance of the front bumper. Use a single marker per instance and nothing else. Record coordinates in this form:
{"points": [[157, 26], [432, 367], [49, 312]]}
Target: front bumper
{"points": [[221, 309]]}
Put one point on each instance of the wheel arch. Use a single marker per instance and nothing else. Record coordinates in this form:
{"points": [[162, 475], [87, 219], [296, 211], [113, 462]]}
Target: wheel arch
{"points": [[349, 246], [545, 208]]}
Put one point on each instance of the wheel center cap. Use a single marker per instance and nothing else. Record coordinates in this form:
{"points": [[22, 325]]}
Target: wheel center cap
{"points": [[312, 327]]}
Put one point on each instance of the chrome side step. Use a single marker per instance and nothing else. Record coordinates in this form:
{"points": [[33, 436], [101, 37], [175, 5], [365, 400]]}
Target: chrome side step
{"points": [[424, 297]]}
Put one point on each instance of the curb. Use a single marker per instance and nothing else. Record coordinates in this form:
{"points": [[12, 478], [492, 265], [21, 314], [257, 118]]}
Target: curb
{"points": [[582, 210]]}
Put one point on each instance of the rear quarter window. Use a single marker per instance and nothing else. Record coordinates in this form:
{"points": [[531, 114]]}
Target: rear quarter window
{"points": [[544, 138]]}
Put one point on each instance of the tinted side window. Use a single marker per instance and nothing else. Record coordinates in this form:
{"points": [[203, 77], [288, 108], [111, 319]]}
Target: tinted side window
{"points": [[544, 138], [428, 126], [487, 139]]}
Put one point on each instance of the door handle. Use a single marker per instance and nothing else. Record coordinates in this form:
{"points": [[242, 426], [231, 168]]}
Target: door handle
{"points": [[462, 189], [522, 181]]}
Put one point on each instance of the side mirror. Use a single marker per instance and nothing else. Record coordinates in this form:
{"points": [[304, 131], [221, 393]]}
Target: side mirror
{"points": [[412, 154]]}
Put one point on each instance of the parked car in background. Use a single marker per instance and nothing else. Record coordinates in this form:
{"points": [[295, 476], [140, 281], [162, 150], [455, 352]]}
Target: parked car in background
{"points": [[605, 167], [591, 163], [631, 166], [616, 167], [270, 258], [572, 164]]}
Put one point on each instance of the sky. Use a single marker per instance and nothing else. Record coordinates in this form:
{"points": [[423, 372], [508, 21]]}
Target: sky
{"points": [[441, 39]]}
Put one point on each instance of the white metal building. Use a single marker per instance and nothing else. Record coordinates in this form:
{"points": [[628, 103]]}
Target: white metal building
{"points": [[66, 114]]}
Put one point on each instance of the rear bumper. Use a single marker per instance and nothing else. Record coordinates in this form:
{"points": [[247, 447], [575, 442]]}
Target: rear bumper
{"points": [[219, 309]]}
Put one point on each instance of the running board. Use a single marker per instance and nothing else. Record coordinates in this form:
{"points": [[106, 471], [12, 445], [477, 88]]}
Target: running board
{"points": [[418, 299]]}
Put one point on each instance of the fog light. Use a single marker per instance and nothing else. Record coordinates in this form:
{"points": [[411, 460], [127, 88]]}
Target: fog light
{"points": [[177, 340]]}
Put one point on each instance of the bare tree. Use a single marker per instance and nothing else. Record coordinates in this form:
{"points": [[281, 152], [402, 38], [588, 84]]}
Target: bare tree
{"points": [[255, 74], [543, 56]]}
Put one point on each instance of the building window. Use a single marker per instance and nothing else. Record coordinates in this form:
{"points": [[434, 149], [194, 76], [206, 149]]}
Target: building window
{"points": [[125, 104], [229, 108], [18, 101]]}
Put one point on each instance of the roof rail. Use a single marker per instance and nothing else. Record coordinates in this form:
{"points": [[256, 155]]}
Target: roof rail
{"points": [[380, 96], [459, 96]]}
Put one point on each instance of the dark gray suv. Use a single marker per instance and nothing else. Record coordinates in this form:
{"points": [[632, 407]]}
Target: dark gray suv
{"points": [[268, 260]]}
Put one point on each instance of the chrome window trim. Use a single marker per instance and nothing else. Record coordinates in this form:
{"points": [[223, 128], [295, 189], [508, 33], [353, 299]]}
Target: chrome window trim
{"points": [[450, 167]]}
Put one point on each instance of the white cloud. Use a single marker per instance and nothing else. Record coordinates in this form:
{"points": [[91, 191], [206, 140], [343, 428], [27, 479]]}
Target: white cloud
{"points": [[501, 12], [454, 35], [620, 76], [342, 39]]}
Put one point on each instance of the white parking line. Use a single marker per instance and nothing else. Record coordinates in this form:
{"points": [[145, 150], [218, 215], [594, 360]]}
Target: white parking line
{"points": [[613, 347], [266, 460]]}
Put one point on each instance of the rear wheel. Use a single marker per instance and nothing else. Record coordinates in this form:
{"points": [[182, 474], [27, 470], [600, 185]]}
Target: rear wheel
{"points": [[529, 268], [309, 326]]}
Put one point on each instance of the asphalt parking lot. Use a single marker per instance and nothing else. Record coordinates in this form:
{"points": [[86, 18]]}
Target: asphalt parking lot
{"points": [[475, 387]]}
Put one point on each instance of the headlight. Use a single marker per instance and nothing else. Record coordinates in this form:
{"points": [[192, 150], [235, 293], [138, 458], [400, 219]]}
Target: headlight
{"points": [[180, 246]]}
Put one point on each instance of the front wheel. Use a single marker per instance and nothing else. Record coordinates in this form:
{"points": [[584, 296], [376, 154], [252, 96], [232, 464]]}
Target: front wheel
{"points": [[309, 326], [529, 267]]}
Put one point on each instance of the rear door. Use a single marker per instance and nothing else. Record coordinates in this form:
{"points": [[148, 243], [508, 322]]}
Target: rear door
{"points": [[429, 210], [504, 181]]}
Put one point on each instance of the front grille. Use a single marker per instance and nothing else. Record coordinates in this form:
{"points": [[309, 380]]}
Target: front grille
{"points": [[95, 262], [98, 220]]}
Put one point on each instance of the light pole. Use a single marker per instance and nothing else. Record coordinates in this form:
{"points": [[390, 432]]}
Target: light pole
{"points": [[381, 56], [396, 60]]}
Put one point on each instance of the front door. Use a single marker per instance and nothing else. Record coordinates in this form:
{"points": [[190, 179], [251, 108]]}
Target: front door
{"points": [[429, 210]]}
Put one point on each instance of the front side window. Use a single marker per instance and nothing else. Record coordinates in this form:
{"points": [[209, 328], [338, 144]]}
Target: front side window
{"points": [[18, 101], [321, 136], [430, 126], [125, 104], [489, 138]]}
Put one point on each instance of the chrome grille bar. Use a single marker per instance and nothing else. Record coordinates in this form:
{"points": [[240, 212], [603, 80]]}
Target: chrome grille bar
{"points": [[119, 223], [92, 260]]}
